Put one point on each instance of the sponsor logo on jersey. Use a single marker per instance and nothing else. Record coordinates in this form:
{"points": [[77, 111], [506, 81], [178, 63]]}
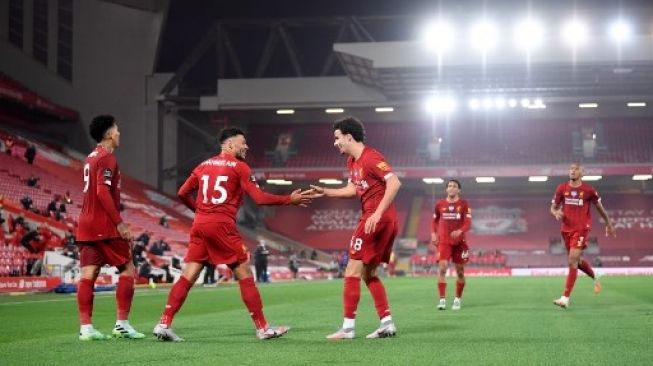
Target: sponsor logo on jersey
{"points": [[573, 201], [574, 193]]}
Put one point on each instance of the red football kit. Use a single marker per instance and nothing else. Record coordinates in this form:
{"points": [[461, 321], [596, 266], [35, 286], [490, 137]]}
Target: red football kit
{"points": [[449, 217], [369, 174], [220, 183], [576, 220], [97, 233]]}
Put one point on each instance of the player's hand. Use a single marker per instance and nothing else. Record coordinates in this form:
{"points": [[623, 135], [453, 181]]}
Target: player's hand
{"points": [[299, 198], [610, 231], [558, 214], [434, 239], [370, 223], [124, 231], [316, 191], [456, 233]]}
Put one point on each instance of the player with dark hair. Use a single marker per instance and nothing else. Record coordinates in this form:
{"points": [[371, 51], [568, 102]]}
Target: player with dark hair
{"points": [[452, 218], [102, 236], [571, 205], [221, 182], [371, 178]]}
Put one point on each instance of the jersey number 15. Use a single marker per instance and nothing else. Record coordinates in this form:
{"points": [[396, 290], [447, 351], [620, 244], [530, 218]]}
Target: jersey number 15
{"points": [[217, 188]]}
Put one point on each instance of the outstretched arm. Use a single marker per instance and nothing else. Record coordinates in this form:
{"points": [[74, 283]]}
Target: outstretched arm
{"points": [[348, 191]]}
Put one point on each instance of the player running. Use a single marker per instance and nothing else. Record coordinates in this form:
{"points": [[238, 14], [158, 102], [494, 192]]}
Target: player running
{"points": [[571, 204]]}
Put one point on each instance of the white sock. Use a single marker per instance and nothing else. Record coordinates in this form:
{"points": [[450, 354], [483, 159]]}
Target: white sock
{"points": [[86, 328], [564, 298], [122, 323], [456, 298], [348, 323], [386, 319]]}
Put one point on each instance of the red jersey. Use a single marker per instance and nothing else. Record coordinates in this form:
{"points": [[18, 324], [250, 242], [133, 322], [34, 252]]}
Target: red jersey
{"points": [[575, 203], [220, 183], [100, 208], [368, 174], [449, 217]]}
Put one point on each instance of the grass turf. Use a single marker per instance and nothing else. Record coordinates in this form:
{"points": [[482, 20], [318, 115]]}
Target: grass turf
{"points": [[504, 321]]}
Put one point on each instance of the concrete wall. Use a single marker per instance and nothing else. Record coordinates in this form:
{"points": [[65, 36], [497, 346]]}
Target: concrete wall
{"points": [[113, 54]]}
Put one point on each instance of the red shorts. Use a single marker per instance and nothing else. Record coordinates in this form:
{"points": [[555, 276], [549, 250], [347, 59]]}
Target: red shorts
{"points": [[376, 247], [575, 239], [114, 252], [216, 243], [458, 253]]}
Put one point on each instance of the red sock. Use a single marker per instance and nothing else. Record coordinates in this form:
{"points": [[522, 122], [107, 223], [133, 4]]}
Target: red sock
{"points": [[460, 286], [377, 291], [252, 299], [124, 296], [85, 300], [442, 289], [176, 299], [586, 267], [351, 296], [571, 280]]}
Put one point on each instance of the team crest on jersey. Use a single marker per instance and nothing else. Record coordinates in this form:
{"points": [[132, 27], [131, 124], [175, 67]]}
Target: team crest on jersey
{"points": [[383, 166], [581, 194], [458, 208]]}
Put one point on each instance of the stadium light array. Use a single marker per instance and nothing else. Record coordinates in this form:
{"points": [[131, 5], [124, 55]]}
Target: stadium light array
{"points": [[528, 34], [438, 36], [285, 111], [484, 35], [574, 33], [279, 182], [592, 178], [620, 31], [642, 177], [500, 103], [334, 110], [538, 178], [485, 180], [384, 109], [636, 104], [440, 105], [330, 181], [588, 105], [433, 180]]}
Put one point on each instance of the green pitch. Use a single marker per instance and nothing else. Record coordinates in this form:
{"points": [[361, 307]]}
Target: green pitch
{"points": [[504, 321]]}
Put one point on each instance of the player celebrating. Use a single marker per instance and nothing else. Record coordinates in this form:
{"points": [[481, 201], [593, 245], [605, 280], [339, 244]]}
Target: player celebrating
{"points": [[370, 177], [452, 218], [214, 239], [571, 204], [102, 236]]}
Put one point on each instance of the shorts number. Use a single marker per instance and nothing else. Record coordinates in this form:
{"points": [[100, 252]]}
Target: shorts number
{"points": [[356, 244], [222, 192], [580, 241], [464, 254], [87, 171]]}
